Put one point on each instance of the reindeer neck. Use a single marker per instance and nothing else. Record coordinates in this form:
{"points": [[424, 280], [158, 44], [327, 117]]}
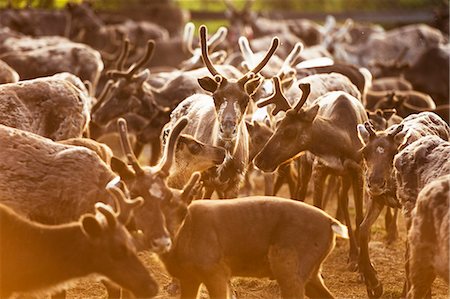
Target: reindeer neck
{"points": [[328, 139], [59, 247]]}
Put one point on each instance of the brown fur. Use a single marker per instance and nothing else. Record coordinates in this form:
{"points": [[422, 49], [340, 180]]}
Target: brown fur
{"points": [[7, 74], [42, 258], [101, 149], [428, 237], [50, 107], [215, 243]]}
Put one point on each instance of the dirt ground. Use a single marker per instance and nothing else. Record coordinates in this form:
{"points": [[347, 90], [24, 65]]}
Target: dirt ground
{"points": [[388, 261]]}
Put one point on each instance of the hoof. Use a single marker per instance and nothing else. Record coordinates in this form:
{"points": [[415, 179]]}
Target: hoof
{"points": [[376, 291], [352, 265]]}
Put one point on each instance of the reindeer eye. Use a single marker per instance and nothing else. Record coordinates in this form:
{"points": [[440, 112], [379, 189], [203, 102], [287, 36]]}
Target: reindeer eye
{"points": [[194, 148]]}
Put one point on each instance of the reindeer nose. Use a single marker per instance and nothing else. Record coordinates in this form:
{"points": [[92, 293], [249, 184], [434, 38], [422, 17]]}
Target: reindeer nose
{"points": [[228, 128], [161, 245]]}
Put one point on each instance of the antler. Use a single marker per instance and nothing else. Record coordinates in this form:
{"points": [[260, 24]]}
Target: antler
{"points": [[135, 67], [217, 38], [103, 96], [123, 55], [292, 57], [126, 146], [188, 36], [278, 98], [397, 130], [205, 56], [191, 188], [370, 129], [169, 151], [306, 89], [125, 206], [273, 47], [247, 52]]}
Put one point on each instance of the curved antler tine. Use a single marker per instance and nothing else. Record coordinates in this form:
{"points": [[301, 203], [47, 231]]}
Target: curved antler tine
{"points": [[126, 146], [108, 213], [370, 129], [89, 87], [278, 98], [396, 130], [103, 95], [123, 55], [306, 90], [125, 206], [217, 38], [273, 48], [169, 150], [190, 190], [145, 58], [188, 36], [204, 47], [291, 58], [247, 52]]}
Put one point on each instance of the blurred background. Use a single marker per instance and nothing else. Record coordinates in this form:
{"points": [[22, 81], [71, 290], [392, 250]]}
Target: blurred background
{"points": [[389, 13]]}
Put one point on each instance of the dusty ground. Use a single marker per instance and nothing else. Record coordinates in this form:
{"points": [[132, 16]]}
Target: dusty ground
{"points": [[342, 283]]}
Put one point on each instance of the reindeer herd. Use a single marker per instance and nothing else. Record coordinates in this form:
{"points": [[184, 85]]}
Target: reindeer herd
{"points": [[115, 135]]}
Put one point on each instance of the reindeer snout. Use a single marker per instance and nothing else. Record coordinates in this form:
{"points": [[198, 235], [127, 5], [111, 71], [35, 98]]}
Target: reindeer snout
{"points": [[228, 129], [376, 186], [161, 245]]}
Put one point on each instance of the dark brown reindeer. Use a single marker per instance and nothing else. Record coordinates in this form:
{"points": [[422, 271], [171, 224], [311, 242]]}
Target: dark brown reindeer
{"points": [[213, 242], [378, 152], [37, 258], [218, 119], [327, 129]]}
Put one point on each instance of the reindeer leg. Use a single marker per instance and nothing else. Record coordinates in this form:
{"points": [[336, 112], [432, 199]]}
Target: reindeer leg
{"points": [[391, 227], [343, 197], [304, 175], [319, 176], [373, 285], [268, 184]]}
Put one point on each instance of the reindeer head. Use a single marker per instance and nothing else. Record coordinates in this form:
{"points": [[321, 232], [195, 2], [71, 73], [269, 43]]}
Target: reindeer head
{"points": [[378, 153], [113, 246], [150, 184], [380, 118], [231, 97], [292, 133], [128, 92]]}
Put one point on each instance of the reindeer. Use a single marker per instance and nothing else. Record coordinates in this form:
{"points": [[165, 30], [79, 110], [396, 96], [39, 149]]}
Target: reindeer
{"points": [[418, 164], [51, 107], [76, 58], [213, 243], [218, 119], [327, 129], [42, 258], [55, 183], [378, 152], [428, 237], [191, 156]]}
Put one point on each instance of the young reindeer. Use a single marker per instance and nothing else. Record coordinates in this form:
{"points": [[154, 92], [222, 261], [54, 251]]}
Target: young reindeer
{"points": [[218, 120], [327, 129], [37, 258], [213, 243]]}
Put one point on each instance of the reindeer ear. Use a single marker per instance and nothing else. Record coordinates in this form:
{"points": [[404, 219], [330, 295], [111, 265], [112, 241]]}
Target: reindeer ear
{"points": [[208, 84], [388, 113], [91, 227], [400, 138], [310, 113], [363, 134], [252, 86], [119, 167]]}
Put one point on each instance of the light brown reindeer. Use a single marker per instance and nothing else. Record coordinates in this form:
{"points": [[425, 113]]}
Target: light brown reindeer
{"points": [[218, 119], [37, 258], [214, 240]]}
